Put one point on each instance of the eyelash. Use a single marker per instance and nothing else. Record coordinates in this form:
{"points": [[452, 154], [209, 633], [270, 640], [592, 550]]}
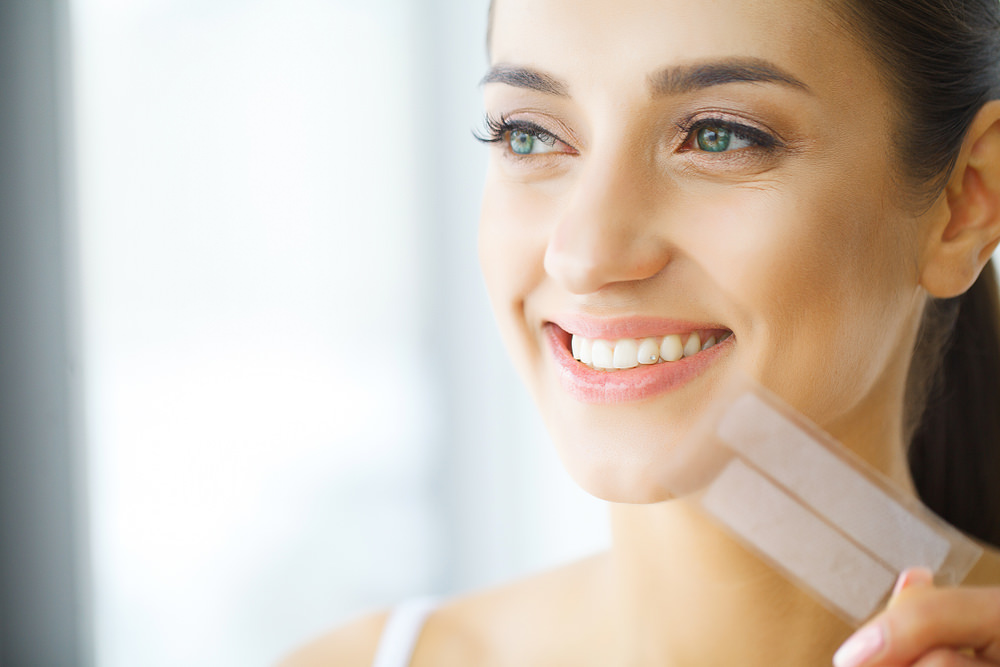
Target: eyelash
{"points": [[497, 129], [759, 138]]}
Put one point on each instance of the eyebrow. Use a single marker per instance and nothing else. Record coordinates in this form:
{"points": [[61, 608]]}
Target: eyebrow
{"points": [[673, 80], [688, 78], [525, 77]]}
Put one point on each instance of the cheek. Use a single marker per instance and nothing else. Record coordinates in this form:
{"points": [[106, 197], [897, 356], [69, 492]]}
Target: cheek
{"points": [[512, 237], [770, 255], [819, 281]]}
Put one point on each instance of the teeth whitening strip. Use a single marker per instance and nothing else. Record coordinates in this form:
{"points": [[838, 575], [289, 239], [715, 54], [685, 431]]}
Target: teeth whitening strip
{"points": [[811, 508]]}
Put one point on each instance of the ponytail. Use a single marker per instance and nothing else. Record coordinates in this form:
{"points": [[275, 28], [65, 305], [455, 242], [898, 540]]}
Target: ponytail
{"points": [[955, 447]]}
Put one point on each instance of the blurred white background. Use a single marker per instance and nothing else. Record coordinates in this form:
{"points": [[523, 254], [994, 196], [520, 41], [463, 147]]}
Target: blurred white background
{"points": [[296, 406]]}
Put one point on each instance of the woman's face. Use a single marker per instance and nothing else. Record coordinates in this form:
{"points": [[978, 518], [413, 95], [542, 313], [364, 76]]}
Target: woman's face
{"points": [[665, 170]]}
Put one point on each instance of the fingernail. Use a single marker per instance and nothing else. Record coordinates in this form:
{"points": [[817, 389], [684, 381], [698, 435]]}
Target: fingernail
{"points": [[860, 648], [914, 576]]}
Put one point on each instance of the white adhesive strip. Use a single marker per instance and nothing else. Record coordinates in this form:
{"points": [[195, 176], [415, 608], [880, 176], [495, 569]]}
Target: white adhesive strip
{"points": [[798, 541], [828, 485]]}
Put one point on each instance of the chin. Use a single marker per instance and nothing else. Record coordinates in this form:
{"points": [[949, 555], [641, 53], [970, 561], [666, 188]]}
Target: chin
{"points": [[623, 465], [620, 490], [621, 452]]}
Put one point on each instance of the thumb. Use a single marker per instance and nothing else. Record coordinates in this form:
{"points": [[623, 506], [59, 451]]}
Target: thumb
{"points": [[913, 577]]}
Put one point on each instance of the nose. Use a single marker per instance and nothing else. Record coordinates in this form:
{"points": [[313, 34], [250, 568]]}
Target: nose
{"points": [[608, 233]]}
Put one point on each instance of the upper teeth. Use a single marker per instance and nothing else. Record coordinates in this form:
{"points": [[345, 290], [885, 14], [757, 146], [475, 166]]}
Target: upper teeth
{"points": [[631, 352]]}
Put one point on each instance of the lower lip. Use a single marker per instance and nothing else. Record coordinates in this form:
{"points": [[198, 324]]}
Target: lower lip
{"points": [[588, 385]]}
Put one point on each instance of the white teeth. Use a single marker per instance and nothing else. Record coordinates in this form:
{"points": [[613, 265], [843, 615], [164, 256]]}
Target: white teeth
{"points": [[630, 352], [626, 353], [649, 351], [671, 348], [693, 346], [604, 355]]}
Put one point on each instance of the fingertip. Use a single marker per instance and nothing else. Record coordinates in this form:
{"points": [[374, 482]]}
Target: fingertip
{"points": [[861, 647], [911, 577]]}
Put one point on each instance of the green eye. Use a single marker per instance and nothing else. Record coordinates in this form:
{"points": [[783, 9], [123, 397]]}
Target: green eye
{"points": [[521, 142], [714, 139]]}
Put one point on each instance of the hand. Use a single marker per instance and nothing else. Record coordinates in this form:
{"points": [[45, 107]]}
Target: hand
{"points": [[925, 626]]}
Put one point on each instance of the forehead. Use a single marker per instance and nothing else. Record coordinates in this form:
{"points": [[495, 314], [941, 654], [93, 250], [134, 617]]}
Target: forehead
{"points": [[619, 43]]}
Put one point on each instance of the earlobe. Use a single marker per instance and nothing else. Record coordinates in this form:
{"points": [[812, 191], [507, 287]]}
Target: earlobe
{"points": [[968, 228]]}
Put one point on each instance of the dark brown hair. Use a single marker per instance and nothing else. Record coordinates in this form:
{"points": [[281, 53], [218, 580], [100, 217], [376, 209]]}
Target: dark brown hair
{"points": [[955, 450], [941, 59]]}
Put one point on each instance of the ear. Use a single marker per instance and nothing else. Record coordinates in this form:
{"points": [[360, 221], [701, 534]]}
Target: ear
{"points": [[966, 229]]}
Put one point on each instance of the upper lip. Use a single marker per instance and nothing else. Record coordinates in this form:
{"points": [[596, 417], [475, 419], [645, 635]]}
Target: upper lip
{"points": [[629, 327]]}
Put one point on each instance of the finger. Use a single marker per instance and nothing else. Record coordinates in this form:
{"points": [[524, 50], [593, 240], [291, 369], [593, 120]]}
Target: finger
{"points": [[861, 646], [923, 619], [911, 578], [944, 657]]}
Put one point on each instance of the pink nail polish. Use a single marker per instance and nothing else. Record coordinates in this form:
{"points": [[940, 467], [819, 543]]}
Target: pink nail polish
{"points": [[912, 576], [860, 648]]}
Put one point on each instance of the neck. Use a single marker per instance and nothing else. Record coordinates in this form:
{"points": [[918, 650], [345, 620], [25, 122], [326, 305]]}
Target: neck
{"points": [[690, 595]]}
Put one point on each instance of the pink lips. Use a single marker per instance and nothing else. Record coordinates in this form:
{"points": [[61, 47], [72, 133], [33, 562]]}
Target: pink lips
{"points": [[588, 385]]}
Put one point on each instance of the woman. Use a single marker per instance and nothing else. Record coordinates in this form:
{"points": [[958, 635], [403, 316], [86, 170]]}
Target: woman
{"points": [[799, 190]]}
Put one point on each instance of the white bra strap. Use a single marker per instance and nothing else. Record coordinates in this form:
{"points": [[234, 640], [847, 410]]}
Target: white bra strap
{"points": [[402, 629]]}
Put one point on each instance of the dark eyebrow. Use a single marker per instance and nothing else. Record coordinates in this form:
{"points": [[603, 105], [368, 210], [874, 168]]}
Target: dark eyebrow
{"points": [[523, 77], [688, 78], [667, 81]]}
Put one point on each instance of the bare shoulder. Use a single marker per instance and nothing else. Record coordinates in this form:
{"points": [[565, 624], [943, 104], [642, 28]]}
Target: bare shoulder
{"points": [[351, 645], [476, 629]]}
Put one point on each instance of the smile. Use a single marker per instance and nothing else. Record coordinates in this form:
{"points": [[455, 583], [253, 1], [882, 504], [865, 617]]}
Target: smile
{"points": [[610, 366], [626, 353]]}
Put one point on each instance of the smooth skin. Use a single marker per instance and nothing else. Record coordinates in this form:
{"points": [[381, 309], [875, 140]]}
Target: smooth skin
{"points": [[606, 197]]}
